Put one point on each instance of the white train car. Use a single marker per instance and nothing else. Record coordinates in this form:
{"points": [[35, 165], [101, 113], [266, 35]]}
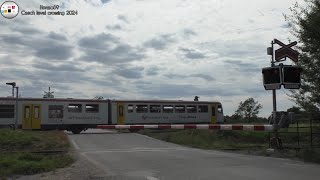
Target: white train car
{"points": [[37, 113], [165, 112], [77, 115]]}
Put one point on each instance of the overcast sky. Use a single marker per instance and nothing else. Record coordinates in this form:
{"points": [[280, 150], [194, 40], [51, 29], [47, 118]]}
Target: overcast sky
{"points": [[146, 49]]}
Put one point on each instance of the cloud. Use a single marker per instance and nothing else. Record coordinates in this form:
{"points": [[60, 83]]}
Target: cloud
{"points": [[114, 27], [56, 36], [67, 66], [108, 49], [26, 30], [99, 41], [201, 76], [234, 48], [41, 47], [188, 33], [181, 90], [105, 1], [243, 67], [54, 51], [160, 43], [153, 71], [129, 72], [123, 18], [192, 54]]}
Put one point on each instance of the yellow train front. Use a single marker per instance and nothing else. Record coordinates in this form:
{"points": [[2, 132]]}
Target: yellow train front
{"points": [[77, 115]]}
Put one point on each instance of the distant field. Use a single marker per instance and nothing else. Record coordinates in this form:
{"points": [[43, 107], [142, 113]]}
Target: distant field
{"points": [[240, 141], [31, 152]]}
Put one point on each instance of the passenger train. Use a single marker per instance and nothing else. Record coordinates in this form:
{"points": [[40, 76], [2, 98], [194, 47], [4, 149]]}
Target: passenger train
{"points": [[77, 115]]}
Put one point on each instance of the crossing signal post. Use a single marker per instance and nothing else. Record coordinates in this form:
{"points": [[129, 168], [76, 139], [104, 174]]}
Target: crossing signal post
{"points": [[277, 75]]}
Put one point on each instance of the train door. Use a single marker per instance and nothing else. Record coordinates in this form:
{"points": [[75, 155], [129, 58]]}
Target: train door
{"points": [[121, 116], [31, 116], [213, 114]]}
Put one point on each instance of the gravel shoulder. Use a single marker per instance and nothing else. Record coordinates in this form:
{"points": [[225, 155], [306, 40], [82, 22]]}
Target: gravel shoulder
{"points": [[81, 169]]}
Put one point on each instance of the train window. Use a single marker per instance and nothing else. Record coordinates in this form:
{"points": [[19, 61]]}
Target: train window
{"points": [[203, 108], [155, 108], [191, 109], [130, 108], [141, 108], [6, 111], [36, 112], [220, 109], [120, 110], [55, 111], [180, 109], [27, 112], [92, 108], [75, 108], [167, 108]]}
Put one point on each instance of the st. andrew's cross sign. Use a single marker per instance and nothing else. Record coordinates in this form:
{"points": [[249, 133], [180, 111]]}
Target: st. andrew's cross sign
{"points": [[286, 51]]}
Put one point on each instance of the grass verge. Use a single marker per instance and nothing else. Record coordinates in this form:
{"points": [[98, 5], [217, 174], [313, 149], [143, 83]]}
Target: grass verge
{"points": [[21, 152], [240, 141]]}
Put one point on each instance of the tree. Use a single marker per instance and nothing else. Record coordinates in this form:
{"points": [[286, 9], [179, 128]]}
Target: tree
{"points": [[305, 24], [248, 109], [98, 98], [294, 109]]}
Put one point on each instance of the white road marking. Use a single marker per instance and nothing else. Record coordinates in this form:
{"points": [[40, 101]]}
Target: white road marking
{"points": [[151, 178], [75, 144]]}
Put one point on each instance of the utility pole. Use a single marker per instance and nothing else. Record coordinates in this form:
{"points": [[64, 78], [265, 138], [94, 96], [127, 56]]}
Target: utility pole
{"points": [[274, 95], [16, 119], [274, 99], [13, 84]]}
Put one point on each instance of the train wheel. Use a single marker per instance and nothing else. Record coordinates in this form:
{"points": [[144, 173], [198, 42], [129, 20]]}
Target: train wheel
{"points": [[76, 130]]}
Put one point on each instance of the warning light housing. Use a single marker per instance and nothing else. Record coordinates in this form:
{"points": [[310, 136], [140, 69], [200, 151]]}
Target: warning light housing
{"points": [[291, 77], [272, 77]]}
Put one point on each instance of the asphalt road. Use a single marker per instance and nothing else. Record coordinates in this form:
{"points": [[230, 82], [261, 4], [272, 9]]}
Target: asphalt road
{"points": [[134, 156]]}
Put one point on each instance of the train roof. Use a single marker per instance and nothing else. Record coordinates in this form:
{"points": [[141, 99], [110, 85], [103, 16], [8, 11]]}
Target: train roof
{"points": [[104, 100], [164, 101]]}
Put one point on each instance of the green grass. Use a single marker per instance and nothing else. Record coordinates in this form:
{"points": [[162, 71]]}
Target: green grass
{"points": [[212, 139], [28, 163], [32, 140], [242, 141], [19, 152]]}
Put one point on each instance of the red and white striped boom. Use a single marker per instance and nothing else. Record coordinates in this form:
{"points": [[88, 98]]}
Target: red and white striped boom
{"points": [[230, 127]]}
